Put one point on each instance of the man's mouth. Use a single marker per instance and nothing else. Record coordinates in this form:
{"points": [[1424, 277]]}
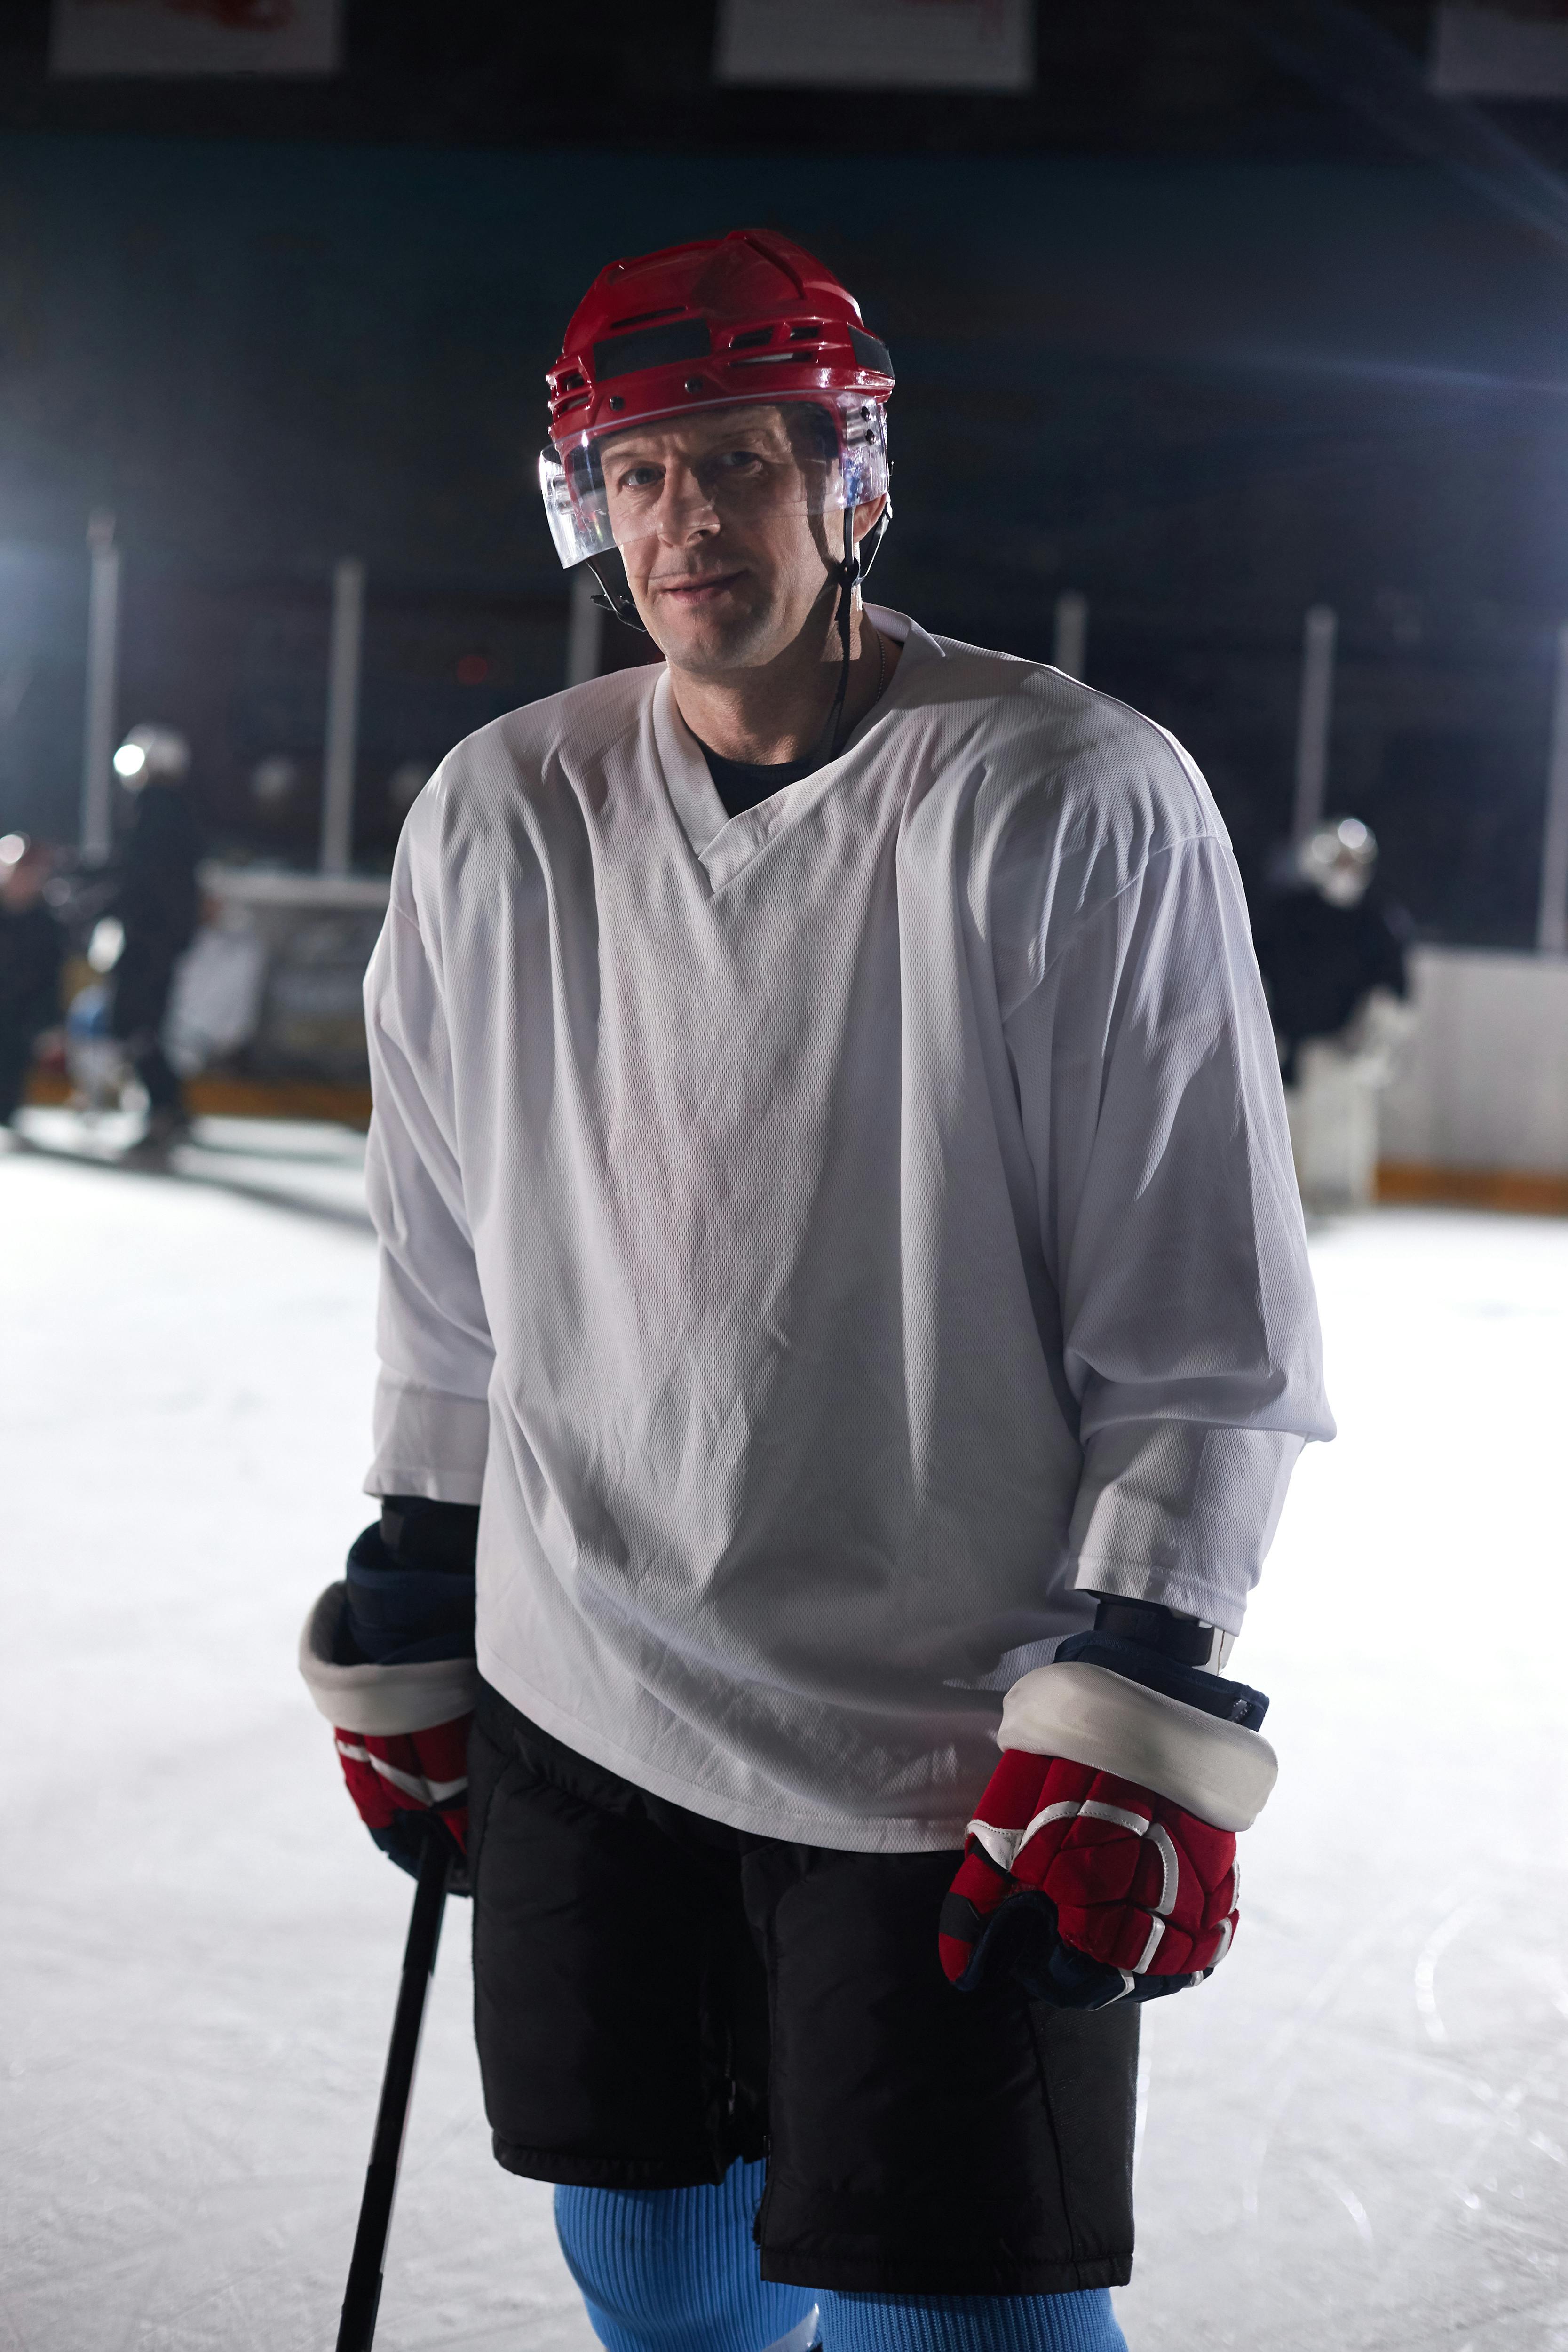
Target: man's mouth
{"points": [[699, 590]]}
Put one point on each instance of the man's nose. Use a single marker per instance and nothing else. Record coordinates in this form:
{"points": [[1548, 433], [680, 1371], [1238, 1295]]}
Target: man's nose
{"points": [[685, 511]]}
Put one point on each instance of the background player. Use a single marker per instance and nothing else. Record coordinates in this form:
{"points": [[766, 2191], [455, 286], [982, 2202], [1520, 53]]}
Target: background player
{"points": [[1333, 954]]}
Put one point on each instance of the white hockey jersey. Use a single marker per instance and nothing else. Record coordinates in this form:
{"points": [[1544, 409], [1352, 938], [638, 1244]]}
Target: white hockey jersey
{"points": [[831, 1241]]}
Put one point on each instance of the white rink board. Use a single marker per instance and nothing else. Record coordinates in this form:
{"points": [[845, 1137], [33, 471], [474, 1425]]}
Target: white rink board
{"points": [[1356, 2135], [1484, 1082]]}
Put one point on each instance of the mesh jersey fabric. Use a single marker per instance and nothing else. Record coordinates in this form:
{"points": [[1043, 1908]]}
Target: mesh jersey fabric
{"points": [[830, 1241]]}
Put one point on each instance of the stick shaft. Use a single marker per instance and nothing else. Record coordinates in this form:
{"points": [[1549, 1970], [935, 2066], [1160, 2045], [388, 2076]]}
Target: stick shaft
{"points": [[357, 2327]]}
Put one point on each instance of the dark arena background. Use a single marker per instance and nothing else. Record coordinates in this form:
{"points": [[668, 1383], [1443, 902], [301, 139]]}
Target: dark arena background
{"points": [[1231, 344], [1186, 330]]}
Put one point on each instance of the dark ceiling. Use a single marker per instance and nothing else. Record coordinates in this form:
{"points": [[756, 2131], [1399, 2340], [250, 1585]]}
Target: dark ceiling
{"points": [[268, 321], [1138, 78]]}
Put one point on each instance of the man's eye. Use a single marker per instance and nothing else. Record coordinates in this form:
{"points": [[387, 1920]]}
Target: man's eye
{"points": [[639, 477], [735, 461]]}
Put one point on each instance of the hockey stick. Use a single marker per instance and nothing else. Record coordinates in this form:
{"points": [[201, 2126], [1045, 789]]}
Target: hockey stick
{"points": [[357, 2328]]}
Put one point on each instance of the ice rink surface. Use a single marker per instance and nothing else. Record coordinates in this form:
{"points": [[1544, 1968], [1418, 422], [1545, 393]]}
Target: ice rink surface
{"points": [[1355, 2136]]}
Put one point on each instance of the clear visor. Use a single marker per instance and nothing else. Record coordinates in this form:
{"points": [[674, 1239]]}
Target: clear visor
{"points": [[735, 463]]}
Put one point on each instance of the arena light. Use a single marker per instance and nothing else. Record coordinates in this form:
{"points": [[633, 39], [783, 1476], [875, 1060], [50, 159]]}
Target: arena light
{"points": [[107, 944], [12, 844], [130, 760]]}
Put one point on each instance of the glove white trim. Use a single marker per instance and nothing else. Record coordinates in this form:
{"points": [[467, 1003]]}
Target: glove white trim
{"points": [[1218, 1770], [380, 1700], [413, 1784]]}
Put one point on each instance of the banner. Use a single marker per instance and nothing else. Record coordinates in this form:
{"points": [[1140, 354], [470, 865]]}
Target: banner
{"points": [[173, 37], [1500, 51], [876, 44]]}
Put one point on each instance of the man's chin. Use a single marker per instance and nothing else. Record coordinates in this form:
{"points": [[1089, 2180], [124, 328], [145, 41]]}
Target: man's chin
{"points": [[708, 643]]}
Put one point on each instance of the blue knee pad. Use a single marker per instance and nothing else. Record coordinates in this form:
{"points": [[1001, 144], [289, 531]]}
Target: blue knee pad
{"points": [[1082, 2322], [674, 2270]]}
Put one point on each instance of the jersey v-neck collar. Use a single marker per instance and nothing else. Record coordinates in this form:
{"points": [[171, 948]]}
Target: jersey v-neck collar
{"points": [[723, 844]]}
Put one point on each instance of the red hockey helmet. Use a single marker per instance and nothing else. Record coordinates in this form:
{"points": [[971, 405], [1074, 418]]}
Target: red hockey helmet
{"points": [[743, 320]]}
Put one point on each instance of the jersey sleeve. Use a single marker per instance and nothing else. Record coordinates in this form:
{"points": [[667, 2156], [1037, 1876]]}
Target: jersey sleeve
{"points": [[1149, 1088], [432, 1418]]}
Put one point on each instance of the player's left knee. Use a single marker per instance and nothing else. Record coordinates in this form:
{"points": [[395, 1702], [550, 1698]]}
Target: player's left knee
{"points": [[669, 2270]]}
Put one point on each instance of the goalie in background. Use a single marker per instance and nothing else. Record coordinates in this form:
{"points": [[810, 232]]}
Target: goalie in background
{"points": [[1333, 956]]}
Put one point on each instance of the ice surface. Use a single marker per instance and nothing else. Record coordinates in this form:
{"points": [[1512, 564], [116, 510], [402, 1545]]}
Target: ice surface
{"points": [[201, 1946], [1356, 2136]]}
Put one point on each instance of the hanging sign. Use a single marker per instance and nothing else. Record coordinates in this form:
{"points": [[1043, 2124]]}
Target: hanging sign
{"points": [[1500, 51], [175, 37], [876, 44]]}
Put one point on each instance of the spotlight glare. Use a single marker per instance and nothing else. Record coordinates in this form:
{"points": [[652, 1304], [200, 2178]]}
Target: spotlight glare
{"points": [[130, 760], [107, 943], [12, 844]]}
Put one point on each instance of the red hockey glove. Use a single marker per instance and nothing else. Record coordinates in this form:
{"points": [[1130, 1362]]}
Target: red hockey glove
{"points": [[401, 1733], [1101, 1865]]}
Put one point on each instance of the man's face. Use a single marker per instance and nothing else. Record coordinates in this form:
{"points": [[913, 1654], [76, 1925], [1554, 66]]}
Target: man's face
{"points": [[720, 521]]}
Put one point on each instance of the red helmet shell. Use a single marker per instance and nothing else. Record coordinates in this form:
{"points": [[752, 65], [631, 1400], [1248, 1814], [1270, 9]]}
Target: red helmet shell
{"points": [[744, 316]]}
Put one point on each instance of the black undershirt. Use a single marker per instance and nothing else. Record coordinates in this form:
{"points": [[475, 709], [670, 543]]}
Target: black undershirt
{"points": [[740, 785]]}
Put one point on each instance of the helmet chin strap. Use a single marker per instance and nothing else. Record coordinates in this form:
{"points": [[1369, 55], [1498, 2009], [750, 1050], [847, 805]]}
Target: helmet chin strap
{"points": [[616, 601], [849, 573]]}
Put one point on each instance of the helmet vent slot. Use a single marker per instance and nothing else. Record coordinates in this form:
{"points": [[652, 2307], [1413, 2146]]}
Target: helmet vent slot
{"points": [[651, 347], [870, 353], [646, 318]]}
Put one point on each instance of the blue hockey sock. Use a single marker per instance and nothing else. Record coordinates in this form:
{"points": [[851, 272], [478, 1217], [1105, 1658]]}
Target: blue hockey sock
{"points": [[674, 2270], [1082, 2322]]}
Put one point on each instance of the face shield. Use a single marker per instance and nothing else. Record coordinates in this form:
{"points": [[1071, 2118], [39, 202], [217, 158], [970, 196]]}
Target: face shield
{"points": [[735, 464]]}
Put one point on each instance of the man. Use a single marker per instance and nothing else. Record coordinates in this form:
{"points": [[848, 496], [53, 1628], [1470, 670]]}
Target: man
{"points": [[32, 950], [1333, 956], [837, 1222], [157, 903]]}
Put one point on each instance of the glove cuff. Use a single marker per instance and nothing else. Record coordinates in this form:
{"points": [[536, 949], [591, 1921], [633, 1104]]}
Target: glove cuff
{"points": [[381, 1700], [1195, 1686], [1218, 1770]]}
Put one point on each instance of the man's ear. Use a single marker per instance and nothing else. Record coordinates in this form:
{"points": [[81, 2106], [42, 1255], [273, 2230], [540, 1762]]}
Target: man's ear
{"points": [[868, 516]]}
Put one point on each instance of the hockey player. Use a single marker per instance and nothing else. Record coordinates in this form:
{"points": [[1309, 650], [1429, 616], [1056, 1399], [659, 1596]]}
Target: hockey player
{"points": [[1332, 955], [840, 1262], [157, 902], [32, 951]]}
